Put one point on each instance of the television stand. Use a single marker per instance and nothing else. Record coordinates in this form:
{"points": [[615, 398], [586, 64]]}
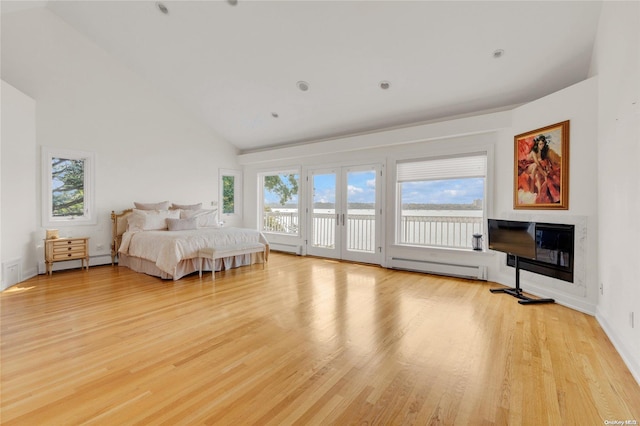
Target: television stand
{"points": [[517, 291]]}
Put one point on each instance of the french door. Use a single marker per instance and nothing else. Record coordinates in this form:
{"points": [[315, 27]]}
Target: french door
{"points": [[344, 215]]}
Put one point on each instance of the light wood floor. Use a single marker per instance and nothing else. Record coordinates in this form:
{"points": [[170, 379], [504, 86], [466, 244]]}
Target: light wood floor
{"points": [[305, 341]]}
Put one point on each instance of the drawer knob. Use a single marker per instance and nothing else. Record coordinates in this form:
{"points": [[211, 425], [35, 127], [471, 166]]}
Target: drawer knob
{"points": [[69, 255]]}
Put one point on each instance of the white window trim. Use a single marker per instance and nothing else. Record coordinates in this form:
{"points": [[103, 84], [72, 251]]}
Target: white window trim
{"points": [[90, 217], [237, 193], [261, 176]]}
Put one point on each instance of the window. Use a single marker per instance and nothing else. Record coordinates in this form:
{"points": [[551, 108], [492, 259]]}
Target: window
{"points": [[67, 188], [441, 201], [280, 205], [231, 192], [228, 194]]}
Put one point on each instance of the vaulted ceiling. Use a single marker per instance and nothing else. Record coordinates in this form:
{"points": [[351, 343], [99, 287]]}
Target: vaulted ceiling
{"points": [[237, 67]]}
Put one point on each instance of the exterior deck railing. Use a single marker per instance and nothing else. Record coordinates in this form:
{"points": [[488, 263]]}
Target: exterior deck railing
{"points": [[285, 222], [442, 231]]}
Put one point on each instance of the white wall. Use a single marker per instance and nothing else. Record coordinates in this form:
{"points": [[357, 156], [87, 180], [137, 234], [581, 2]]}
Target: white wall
{"points": [[146, 148], [616, 61], [18, 183], [578, 104]]}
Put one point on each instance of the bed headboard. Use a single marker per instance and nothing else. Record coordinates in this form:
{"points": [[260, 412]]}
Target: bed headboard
{"points": [[118, 227]]}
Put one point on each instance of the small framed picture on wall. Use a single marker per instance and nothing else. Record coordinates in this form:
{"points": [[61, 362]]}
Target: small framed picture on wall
{"points": [[541, 168]]}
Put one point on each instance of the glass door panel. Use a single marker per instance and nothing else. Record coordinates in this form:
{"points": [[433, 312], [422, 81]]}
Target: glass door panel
{"points": [[324, 217], [323, 222], [361, 206], [361, 224]]}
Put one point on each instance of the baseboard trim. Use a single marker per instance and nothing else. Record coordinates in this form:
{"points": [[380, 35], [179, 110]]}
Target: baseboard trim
{"points": [[97, 260], [626, 353]]}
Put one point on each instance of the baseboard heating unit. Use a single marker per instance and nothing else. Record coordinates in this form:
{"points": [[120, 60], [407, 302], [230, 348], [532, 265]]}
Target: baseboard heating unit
{"points": [[440, 268], [287, 248]]}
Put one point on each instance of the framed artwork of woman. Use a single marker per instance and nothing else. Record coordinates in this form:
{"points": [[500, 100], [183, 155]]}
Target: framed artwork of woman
{"points": [[541, 168]]}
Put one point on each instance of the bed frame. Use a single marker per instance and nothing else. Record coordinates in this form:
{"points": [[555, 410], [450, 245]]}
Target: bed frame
{"points": [[118, 227]]}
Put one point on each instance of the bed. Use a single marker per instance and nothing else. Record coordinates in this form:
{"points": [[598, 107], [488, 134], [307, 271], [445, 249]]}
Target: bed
{"points": [[165, 242]]}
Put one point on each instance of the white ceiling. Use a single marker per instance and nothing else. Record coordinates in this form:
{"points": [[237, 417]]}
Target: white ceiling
{"points": [[233, 66]]}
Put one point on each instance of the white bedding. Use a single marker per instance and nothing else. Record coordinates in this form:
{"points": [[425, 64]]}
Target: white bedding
{"points": [[168, 248]]}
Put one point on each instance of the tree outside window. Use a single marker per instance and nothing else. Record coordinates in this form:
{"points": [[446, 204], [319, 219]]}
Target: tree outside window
{"points": [[67, 190], [228, 194], [67, 187], [280, 204]]}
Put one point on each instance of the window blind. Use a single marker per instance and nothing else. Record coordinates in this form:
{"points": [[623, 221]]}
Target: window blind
{"points": [[474, 165]]}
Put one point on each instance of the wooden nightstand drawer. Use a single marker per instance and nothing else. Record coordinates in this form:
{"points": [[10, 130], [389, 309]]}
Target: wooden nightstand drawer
{"points": [[68, 243], [68, 249], [61, 249], [68, 256]]}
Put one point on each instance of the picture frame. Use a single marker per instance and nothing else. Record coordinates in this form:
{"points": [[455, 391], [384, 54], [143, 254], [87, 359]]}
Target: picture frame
{"points": [[541, 168]]}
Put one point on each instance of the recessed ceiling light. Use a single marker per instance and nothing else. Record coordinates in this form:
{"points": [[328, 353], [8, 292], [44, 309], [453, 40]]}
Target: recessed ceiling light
{"points": [[275, 115], [303, 85], [384, 85], [162, 8], [498, 53]]}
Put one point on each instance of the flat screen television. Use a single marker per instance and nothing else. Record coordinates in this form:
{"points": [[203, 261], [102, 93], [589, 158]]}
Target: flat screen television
{"points": [[513, 237], [543, 248]]}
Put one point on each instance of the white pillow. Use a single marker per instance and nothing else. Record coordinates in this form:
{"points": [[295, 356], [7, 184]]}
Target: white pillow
{"points": [[152, 206], [206, 218], [186, 206], [151, 220], [182, 224]]}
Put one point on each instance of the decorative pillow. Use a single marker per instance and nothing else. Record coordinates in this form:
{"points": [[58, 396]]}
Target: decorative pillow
{"points": [[186, 206], [150, 220], [152, 206], [205, 218], [182, 224], [208, 220]]}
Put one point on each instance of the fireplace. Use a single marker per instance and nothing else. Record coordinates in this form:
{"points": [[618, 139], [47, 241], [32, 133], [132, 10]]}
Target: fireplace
{"points": [[554, 252]]}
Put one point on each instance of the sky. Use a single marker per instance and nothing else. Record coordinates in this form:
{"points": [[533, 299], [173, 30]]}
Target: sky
{"points": [[361, 189], [450, 191]]}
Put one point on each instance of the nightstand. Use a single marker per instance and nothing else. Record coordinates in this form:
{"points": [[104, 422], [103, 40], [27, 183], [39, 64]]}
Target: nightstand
{"points": [[62, 249]]}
